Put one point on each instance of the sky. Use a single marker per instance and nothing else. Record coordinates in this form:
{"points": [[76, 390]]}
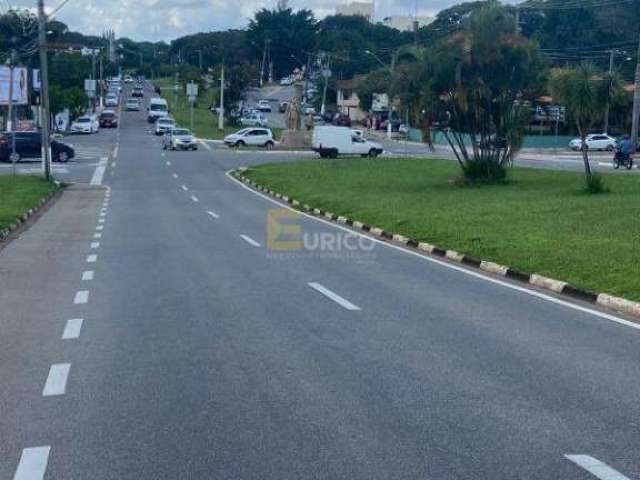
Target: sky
{"points": [[157, 20]]}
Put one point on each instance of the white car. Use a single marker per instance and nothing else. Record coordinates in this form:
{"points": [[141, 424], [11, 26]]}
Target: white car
{"points": [[128, 79], [253, 137], [179, 139], [111, 100], [264, 106], [254, 120], [597, 141], [85, 124], [286, 81], [164, 124]]}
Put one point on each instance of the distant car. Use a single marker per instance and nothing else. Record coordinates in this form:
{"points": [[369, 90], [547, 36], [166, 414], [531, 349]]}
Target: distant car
{"points": [[308, 109], [164, 124], [85, 124], [29, 145], [283, 107], [111, 100], [138, 92], [264, 106], [128, 79], [108, 119], [179, 139], [251, 137], [254, 120], [594, 142], [132, 105], [332, 141], [286, 81]]}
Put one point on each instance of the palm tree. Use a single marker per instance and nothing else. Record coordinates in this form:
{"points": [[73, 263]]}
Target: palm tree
{"points": [[584, 91]]}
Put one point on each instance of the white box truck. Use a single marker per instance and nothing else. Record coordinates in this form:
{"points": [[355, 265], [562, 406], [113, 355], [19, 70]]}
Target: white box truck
{"points": [[330, 142]]}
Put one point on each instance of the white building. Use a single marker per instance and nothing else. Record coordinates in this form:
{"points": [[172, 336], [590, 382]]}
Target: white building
{"points": [[364, 9], [405, 22]]}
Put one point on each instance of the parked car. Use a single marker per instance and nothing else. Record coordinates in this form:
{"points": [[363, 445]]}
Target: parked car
{"points": [[282, 108], [164, 124], [132, 105], [264, 106], [29, 145], [334, 141], [255, 137], [108, 119], [85, 124], [137, 92], [308, 109], [286, 81], [179, 139], [254, 120], [596, 141]]}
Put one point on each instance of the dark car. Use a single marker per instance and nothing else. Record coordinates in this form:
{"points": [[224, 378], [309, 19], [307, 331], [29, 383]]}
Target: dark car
{"points": [[29, 145], [137, 92], [108, 119]]}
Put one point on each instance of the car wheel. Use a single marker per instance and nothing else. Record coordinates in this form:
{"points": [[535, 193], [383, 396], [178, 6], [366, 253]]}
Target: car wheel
{"points": [[14, 157], [63, 157], [240, 143], [373, 153], [269, 145], [616, 164], [610, 148], [630, 164]]}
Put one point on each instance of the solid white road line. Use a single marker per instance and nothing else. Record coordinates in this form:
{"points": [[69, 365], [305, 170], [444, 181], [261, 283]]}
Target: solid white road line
{"points": [[72, 329], [175, 175], [333, 296], [213, 214], [87, 275], [81, 297], [471, 273], [184, 187], [33, 463], [596, 467], [95, 245], [250, 240], [92, 258], [194, 198], [116, 151], [98, 174], [56, 383]]}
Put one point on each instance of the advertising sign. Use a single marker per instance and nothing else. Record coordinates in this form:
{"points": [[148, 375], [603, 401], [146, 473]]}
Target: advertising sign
{"points": [[36, 82], [20, 85]]}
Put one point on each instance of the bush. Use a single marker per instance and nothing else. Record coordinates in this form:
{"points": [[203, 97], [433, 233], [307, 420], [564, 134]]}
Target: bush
{"points": [[484, 172], [595, 184]]}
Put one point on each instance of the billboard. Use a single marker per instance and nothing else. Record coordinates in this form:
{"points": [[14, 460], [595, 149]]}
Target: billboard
{"points": [[20, 85]]}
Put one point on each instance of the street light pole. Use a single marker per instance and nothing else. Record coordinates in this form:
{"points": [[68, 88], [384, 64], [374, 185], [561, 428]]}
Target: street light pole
{"points": [[636, 103], [221, 114], [606, 111], [12, 62], [44, 90]]}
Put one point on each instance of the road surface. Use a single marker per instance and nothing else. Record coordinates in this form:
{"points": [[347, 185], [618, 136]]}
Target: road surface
{"points": [[150, 329]]}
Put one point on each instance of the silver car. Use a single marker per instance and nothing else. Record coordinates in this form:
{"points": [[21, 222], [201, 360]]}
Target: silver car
{"points": [[179, 139]]}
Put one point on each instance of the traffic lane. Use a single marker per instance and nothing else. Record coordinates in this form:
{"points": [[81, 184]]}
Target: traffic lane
{"points": [[41, 272], [533, 322]]}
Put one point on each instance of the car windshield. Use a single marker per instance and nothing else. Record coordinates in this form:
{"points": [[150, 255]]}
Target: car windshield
{"points": [[180, 132], [83, 120], [107, 115], [158, 108]]}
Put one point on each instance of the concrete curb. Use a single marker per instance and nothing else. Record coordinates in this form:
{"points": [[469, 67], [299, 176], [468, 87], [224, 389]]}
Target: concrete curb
{"points": [[618, 304], [43, 204]]}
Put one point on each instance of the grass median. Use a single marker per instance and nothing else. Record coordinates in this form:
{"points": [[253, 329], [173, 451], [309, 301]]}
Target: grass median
{"points": [[20, 193], [539, 222]]}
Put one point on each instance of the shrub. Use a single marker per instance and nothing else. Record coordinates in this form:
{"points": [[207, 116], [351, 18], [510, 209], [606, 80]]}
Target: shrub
{"points": [[595, 184]]}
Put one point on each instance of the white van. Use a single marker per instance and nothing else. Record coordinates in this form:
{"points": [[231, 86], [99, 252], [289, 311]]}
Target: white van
{"points": [[334, 141], [158, 108]]}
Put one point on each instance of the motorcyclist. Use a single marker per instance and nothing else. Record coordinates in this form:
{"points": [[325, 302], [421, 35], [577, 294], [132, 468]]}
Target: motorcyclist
{"points": [[625, 148]]}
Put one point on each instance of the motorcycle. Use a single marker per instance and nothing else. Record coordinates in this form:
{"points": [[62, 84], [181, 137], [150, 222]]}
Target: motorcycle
{"points": [[622, 159]]}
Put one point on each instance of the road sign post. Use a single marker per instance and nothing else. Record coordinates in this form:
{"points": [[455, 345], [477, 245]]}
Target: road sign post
{"points": [[192, 93]]}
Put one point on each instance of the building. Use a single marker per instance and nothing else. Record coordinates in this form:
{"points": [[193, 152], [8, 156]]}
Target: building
{"points": [[405, 22], [349, 103], [364, 9]]}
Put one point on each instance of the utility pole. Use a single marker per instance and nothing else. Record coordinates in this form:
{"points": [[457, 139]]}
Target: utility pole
{"points": [[326, 73], [12, 64], [200, 59], [517, 22], [221, 114], [606, 111], [44, 90], [264, 61], [636, 103]]}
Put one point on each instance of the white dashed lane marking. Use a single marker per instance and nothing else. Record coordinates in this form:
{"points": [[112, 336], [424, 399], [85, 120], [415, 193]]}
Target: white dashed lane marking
{"points": [[250, 240], [56, 383], [97, 235], [72, 329], [213, 214], [95, 245], [81, 298], [33, 463], [87, 275], [175, 175], [194, 198], [92, 258], [596, 468], [184, 187], [334, 296]]}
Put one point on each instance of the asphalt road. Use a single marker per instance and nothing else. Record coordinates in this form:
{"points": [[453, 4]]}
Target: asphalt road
{"points": [[151, 329]]}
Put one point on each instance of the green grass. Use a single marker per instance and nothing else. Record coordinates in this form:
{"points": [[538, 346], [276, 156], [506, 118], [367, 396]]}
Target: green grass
{"points": [[205, 123], [539, 222], [18, 194]]}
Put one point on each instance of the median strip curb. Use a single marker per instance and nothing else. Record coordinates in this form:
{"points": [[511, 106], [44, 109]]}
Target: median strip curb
{"points": [[43, 204], [621, 305]]}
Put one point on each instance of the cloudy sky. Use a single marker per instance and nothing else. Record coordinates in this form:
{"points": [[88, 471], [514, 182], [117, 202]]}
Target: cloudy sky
{"points": [[168, 19]]}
